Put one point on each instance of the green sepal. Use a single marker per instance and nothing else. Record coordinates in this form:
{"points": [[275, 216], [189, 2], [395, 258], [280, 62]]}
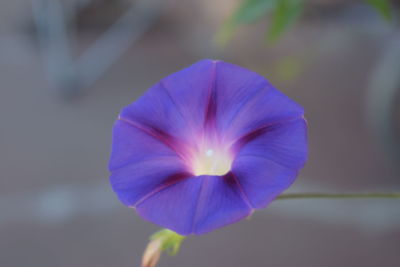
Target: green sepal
{"points": [[170, 241]]}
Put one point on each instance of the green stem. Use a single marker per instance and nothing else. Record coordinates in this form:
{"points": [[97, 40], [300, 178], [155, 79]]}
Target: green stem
{"points": [[339, 195]]}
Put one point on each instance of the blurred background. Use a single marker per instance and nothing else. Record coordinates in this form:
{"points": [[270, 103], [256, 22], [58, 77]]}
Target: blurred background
{"points": [[68, 67]]}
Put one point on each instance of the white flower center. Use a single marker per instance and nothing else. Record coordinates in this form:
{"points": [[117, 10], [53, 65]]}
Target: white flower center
{"points": [[212, 162]]}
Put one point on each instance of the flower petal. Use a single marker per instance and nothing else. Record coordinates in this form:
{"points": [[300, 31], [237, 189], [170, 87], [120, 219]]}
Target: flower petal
{"points": [[210, 103], [221, 202], [135, 182], [262, 180], [284, 143], [132, 145], [178, 104], [190, 91], [196, 205], [268, 164], [174, 206], [156, 111], [141, 163], [247, 101]]}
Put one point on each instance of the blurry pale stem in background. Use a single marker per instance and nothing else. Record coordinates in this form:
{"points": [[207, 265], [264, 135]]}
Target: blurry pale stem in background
{"points": [[339, 195], [170, 241]]}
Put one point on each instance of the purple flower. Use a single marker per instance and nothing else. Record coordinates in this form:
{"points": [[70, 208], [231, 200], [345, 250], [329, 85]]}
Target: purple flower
{"points": [[205, 147]]}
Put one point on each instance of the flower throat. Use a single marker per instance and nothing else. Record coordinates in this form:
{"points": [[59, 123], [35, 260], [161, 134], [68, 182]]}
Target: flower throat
{"points": [[211, 161]]}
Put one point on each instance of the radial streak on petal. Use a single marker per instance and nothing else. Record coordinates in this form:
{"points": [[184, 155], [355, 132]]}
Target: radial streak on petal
{"points": [[132, 145], [155, 109], [195, 205], [140, 163], [211, 106], [243, 193], [167, 183], [220, 203], [262, 179], [238, 143], [174, 206], [158, 134], [189, 89], [246, 101], [285, 144], [269, 162]]}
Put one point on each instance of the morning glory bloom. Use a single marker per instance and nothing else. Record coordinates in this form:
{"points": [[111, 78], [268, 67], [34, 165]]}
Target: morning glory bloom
{"points": [[205, 147]]}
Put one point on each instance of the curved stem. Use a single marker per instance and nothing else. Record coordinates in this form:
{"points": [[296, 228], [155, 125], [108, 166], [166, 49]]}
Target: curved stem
{"points": [[339, 195]]}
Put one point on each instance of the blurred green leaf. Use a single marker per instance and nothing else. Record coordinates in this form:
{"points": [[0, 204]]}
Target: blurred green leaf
{"points": [[251, 10], [248, 12], [284, 15], [382, 6]]}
